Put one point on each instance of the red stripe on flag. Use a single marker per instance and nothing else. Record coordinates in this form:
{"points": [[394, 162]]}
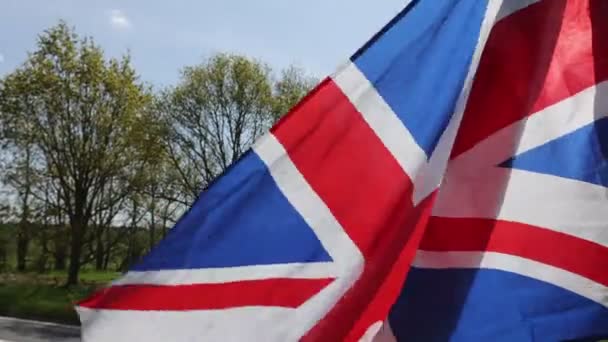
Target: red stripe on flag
{"points": [[564, 251], [535, 58], [207, 296], [379, 306], [346, 163]]}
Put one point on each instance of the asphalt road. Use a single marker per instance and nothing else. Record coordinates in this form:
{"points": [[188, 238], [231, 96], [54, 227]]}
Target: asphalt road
{"points": [[18, 330]]}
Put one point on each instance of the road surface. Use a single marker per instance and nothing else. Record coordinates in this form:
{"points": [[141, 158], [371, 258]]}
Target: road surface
{"points": [[19, 330]]}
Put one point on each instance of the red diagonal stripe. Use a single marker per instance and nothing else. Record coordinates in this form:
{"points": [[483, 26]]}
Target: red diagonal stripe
{"points": [[347, 165], [289, 293], [534, 58], [362, 184], [564, 251]]}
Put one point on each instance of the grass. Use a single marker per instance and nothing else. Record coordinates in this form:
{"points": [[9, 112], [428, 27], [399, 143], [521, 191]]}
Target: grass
{"points": [[86, 277], [41, 302], [43, 297]]}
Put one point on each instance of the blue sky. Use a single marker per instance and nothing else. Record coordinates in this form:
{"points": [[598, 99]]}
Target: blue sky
{"points": [[163, 36]]}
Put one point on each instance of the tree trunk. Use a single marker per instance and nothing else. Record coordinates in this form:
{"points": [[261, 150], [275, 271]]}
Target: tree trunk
{"points": [[124, 265], [165, 221], [152, 231], [3, 254], [99, 260], [23, 243], [99, 249], [23, 235], [130, 241], [44, 253], [60, 260], [106, 260], [77, 226], [61, 246]]}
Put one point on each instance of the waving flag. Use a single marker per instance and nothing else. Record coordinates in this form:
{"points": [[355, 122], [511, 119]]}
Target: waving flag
{"points": [[517, 248], [310, 235]]}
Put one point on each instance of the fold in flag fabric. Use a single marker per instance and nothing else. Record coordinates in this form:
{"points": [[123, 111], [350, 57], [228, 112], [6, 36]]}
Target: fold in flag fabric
{"points": [[462, 150]]}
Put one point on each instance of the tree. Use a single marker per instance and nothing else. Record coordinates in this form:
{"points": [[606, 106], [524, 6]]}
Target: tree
{"points": [[158, 199], [21, 173], [89, 120], [21, 176], [291, 87], [105, 214], [218, 109]]}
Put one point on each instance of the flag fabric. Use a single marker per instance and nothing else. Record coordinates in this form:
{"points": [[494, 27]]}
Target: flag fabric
{"points": [[517, 245], [310, 235]]}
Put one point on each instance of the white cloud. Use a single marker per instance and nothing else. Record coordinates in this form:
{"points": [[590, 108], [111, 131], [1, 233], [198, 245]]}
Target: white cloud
{"points": [[1, 58], [119, 20]]}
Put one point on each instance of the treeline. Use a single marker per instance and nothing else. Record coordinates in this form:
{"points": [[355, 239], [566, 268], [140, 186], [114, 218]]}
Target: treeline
{"points": [[97, 165]]}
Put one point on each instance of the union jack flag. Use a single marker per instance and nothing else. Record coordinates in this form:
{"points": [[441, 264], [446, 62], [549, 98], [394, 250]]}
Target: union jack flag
{"points": [[466, 139]]}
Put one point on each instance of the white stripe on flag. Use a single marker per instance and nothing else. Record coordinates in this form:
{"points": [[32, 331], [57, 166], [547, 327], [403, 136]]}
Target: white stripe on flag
{"points": [[474, 182], [345, 254], [381, 118], [511, 6], [314, 270]]}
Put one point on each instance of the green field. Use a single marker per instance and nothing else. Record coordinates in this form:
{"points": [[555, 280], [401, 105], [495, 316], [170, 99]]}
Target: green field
{"points": [[39, 294], [43, 297]]}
